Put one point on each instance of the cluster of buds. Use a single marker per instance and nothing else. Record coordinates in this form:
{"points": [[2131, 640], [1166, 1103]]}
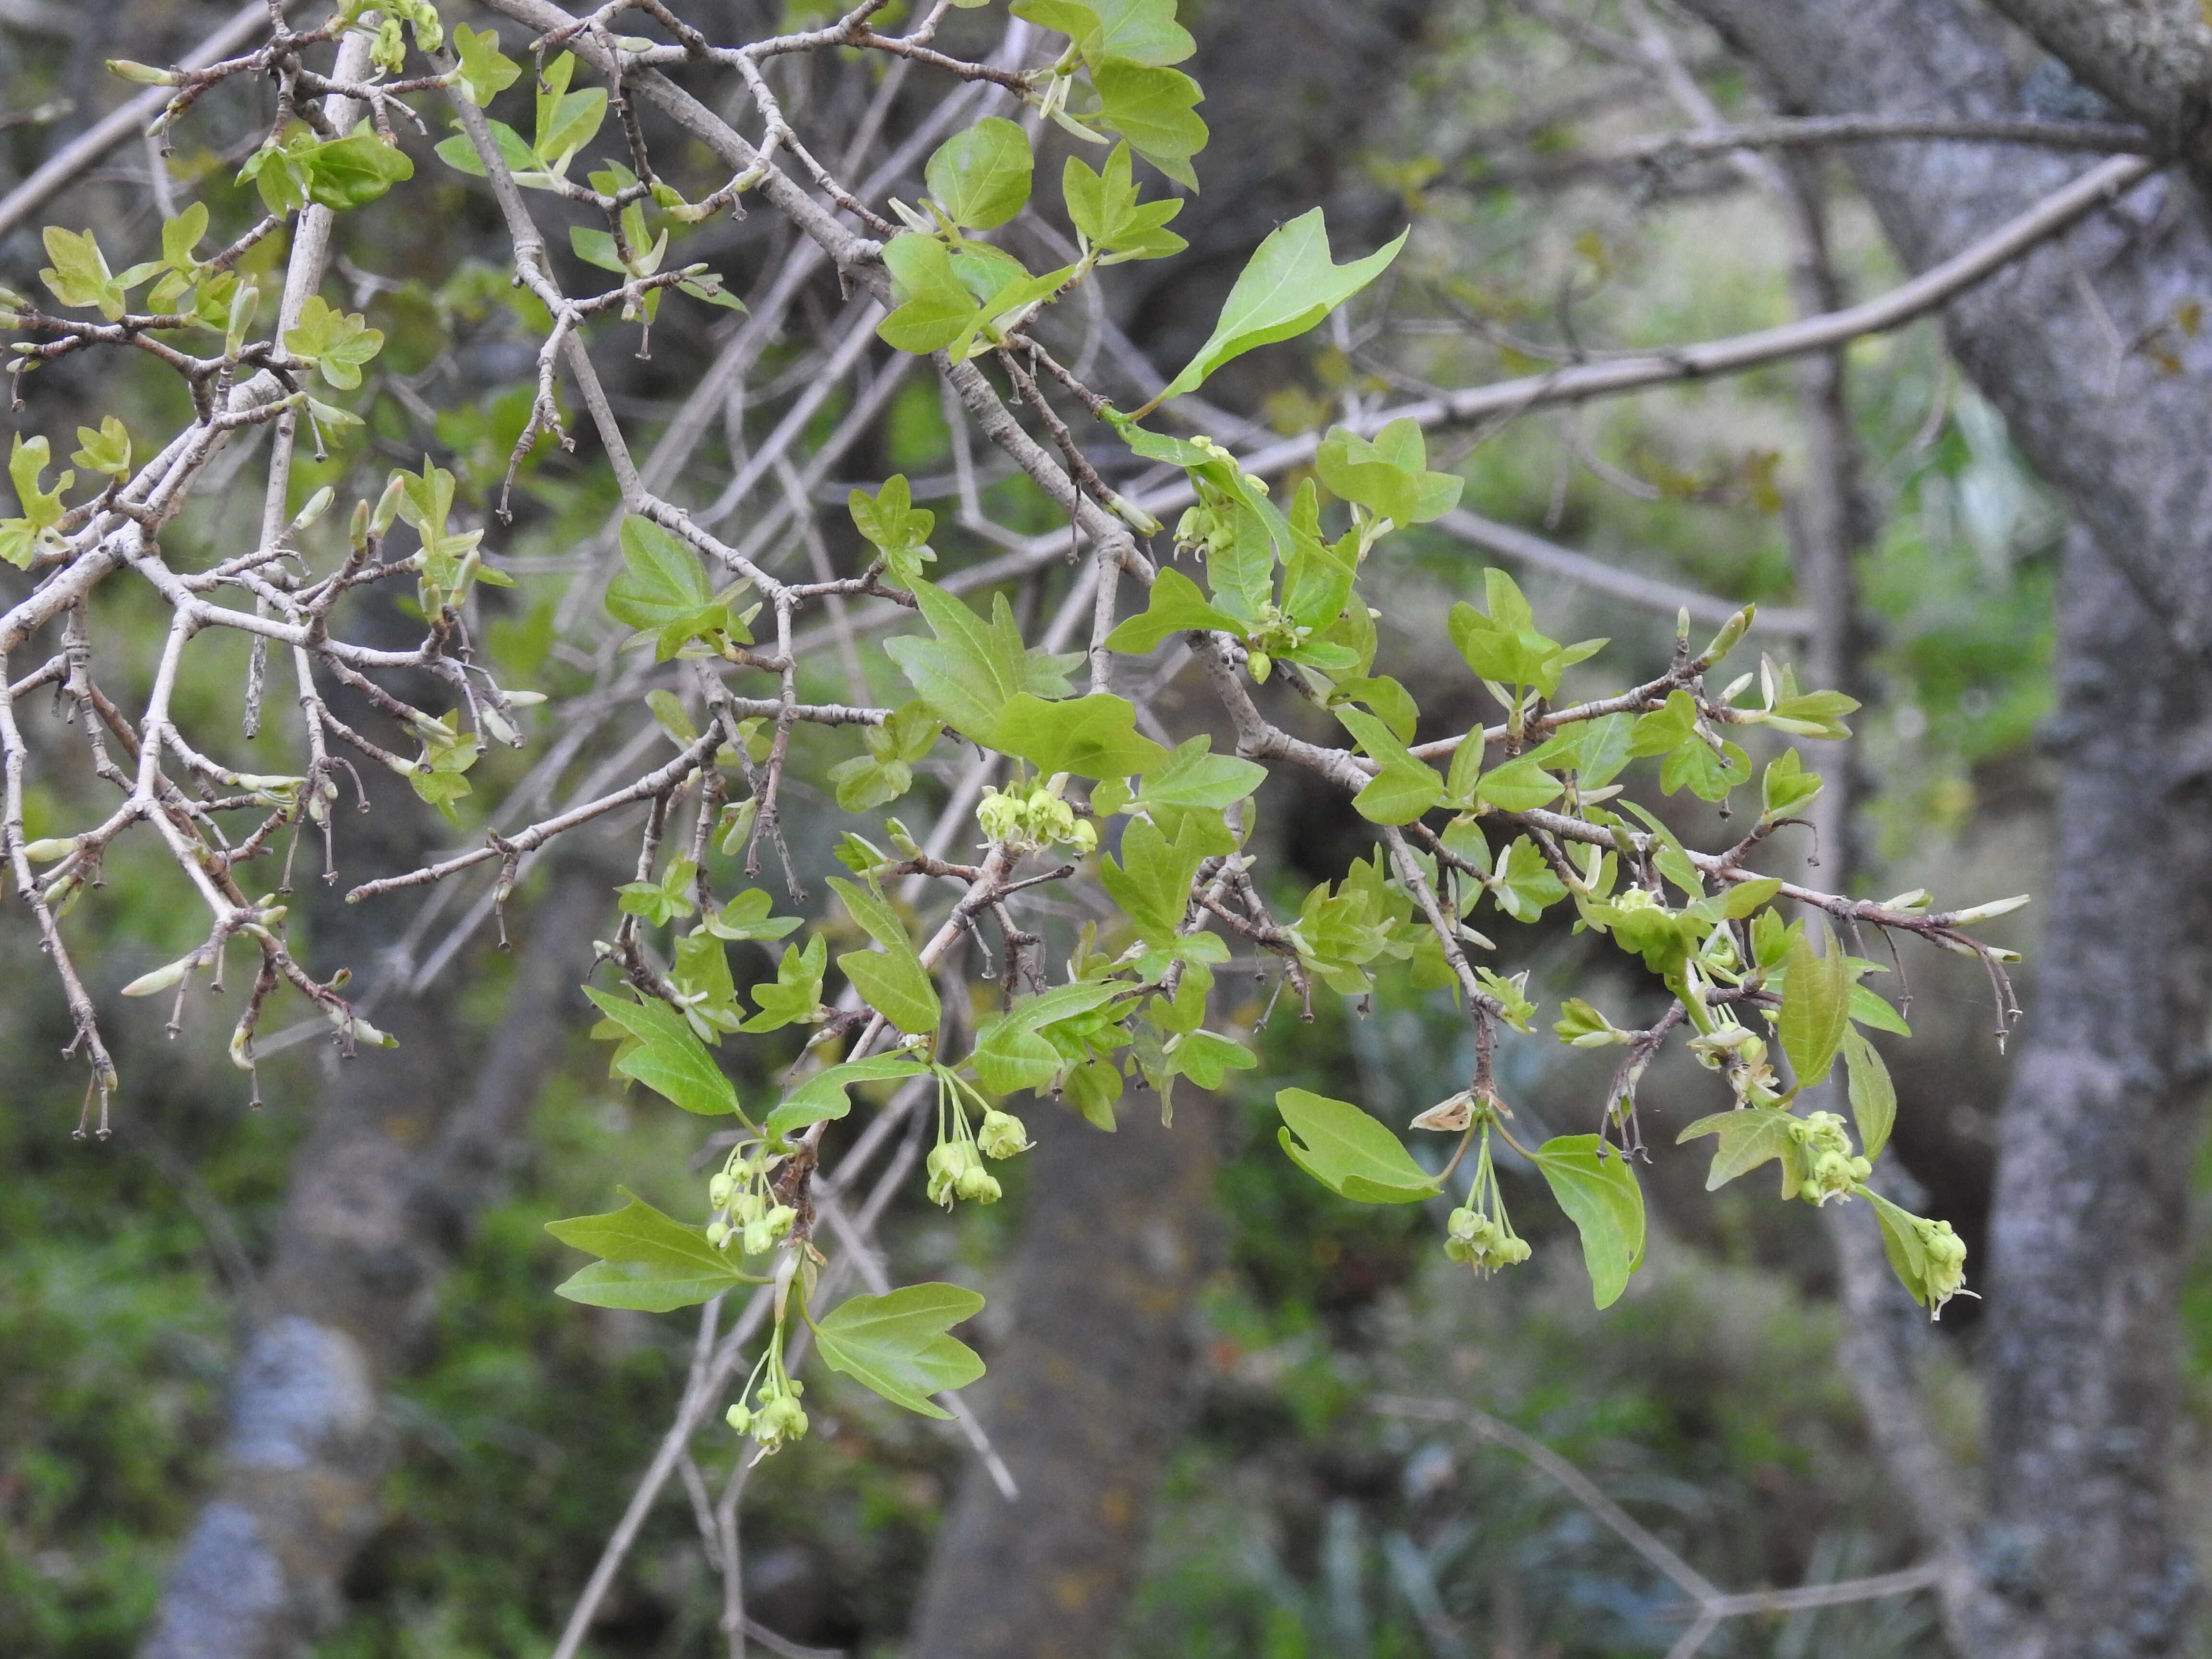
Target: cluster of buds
{"points": [[747, 1215], [956, 1163], [1028, 819], [1828, 1168], [1210, 526], [1477, 1232], [1947, 1262], [956, 1170], [776, 1418], [1484, 1243]]}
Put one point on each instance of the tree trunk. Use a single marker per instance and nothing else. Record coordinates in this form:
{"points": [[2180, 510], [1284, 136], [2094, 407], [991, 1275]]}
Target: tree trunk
{"points": [[405, 1149], [2079, 1554], [1085, 1399]]}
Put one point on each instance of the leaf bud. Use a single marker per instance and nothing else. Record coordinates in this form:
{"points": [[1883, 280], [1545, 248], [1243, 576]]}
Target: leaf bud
{"points": [[47, 850], [388, 504], [143, 74], [160, 980], [1991, 911]]}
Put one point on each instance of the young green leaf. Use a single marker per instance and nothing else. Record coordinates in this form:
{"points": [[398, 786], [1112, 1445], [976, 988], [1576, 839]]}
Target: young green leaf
{"points": [[1174, 605], [1009, 1054], [338, 343], [1389, 477], [353, 171], [649, 1263], [980, 176], [1874, 1096], [1192, 775], [898, 1345], [934, 306], [666, 1056], [1348, 1151], [1519, 786], [1815, 1005], [485, 70], [893, 980], [1404, 788], [823, 1097], [794, 997], [567, 120], [1092, 737], [1156, 110], [899, 529], [1748, 1138], [1104, 207], [973, 668], [1289, 286], [107, 451], [1152, 882], [1601, 1197]]}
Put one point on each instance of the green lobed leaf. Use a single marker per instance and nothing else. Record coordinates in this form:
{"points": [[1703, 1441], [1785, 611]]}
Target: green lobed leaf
{"points": [[1748, 1138], [1155, 108], [1601, 1197], [1092, 737], [1192, 775], [971, 669], [667, 1058], [898, 1345], [1010, 1054], [1151, 880], [1175, 604]]}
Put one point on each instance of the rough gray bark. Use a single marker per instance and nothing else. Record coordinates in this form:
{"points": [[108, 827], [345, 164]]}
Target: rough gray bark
{"points": [[1085, 1399], [2078, 1554], [2152, 58], [406, 1146]]}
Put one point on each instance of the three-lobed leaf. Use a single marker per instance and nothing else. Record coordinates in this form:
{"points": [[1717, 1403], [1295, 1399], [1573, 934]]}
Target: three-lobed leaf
{"points": [[900, 1345], [648, 1261], [666, 1056]]}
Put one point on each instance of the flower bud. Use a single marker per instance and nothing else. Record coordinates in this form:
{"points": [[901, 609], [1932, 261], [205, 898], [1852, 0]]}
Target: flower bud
{"points": [[738, 1418], [1002, 1135], [718, 1233], [758, 1241], [978, 1187], [720, 1190]]}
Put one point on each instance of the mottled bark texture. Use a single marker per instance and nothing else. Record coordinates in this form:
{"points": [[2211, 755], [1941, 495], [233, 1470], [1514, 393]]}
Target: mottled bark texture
{"points": [[1086, 1398], [406, 1146], [2078, 1554]]}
